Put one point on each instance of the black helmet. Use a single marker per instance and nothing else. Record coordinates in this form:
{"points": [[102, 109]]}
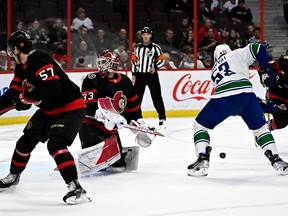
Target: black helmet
{"points": [[20, 39]]}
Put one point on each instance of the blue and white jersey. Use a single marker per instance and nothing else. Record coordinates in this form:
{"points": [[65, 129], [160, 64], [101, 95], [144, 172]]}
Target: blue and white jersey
{"points": [[230, 73]]}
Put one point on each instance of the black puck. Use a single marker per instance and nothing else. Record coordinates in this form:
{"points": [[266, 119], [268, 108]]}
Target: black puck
{"points": [[222, 155]]}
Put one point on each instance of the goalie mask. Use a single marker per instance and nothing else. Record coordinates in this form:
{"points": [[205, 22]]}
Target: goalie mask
{"points": [[107, 61], [220, 50]]}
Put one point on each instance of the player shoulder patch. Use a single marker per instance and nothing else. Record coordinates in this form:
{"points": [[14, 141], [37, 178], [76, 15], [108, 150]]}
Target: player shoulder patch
{"points": [[91, 76]]}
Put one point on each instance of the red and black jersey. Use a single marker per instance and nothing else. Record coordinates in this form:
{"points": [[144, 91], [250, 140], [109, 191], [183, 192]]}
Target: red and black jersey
{"points": [[49, 84], [119, 89], [277, 94]]}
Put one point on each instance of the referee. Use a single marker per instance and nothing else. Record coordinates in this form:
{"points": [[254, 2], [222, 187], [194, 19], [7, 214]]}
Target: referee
{"points": [[146, 59]]}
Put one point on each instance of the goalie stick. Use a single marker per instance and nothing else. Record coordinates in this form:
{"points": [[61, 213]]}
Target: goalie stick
{"points": [[157, 133], [105, 104]]}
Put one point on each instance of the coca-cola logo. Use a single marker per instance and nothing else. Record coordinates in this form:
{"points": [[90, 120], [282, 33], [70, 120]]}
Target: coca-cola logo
{"points": [[186, 88]]}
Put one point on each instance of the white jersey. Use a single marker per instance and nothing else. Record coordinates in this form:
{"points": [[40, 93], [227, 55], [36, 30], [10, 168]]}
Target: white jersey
{"points": [[230, 73]]}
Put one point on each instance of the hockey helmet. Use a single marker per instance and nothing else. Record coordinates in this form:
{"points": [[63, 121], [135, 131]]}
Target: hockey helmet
{"points": [[107, 60], [220, 50], [22, 40], [146, 29]]}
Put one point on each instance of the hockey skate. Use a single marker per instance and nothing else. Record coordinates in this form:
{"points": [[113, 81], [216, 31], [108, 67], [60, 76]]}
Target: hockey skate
{"points": [[118, 166], [76, 194], [9, 180], [201, 165], [279, 165]]}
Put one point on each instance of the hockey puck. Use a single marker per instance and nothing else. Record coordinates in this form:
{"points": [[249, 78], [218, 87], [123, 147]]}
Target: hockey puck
{"points": [[222, 155]]}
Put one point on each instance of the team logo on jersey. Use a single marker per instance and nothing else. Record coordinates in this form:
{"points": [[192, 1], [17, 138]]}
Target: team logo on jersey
{"points": [[149, 53], [119, 102], [91, 76]]}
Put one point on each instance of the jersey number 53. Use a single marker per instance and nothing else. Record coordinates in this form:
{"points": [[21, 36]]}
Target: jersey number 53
{"points": [[220, 71]]}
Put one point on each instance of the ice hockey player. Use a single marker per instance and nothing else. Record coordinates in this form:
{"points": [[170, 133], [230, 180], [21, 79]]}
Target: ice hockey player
{"points": [[234, 96], [39, 80], [119, 88], [277, 100]]}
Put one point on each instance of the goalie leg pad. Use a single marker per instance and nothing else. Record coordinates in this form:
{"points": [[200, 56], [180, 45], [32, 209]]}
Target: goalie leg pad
{"points": [[132, 157], [98, 157]]}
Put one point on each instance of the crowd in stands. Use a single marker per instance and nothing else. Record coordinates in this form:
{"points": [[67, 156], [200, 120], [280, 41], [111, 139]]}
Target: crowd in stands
{"points": [[219, 21]]}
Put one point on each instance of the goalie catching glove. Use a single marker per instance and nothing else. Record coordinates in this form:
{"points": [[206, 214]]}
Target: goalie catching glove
{"points": [[109, 119], [143, 139]]}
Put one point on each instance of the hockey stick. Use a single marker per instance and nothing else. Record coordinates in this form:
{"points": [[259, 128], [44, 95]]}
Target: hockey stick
{"points": [[157, 133], [7, 109], [267, 100], [106, 104]]}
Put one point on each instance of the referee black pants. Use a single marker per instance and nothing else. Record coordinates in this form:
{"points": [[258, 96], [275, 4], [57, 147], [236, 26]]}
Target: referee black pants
{"points": [[153, 83]]}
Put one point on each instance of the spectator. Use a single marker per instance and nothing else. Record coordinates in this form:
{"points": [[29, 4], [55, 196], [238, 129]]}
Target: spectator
{"points": [[19, 25], [58, 39], [241, 13], [202, 32], [229, 5], [122, 36], [171, 46], [39, 35], [209, 43], [223, 34], [190, 38], [182, 33], [81, 20], [83, 36], [100, 42], [138, 37], [204, 13], [187, 60], [83, 57], [168, 64], [3, 60], [249, 33], [207, 61], [215, 7], [234, 40], [124, 63], [120, 49], [256, 39]]}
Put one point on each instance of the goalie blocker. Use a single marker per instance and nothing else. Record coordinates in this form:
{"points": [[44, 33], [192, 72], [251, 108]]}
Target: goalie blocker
{"points": [[103, 155]]}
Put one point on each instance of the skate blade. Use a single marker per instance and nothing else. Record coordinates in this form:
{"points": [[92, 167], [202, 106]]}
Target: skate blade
{"points": [[200, 172], [12, 187], [75, 201], [283, 172]]}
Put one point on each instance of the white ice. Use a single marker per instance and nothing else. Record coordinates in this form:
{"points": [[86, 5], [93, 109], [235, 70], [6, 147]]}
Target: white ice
{"points": [[244, 183]]}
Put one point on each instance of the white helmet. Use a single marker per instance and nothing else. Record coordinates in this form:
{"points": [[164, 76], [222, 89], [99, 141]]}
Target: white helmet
{"points": [[221, 50], [107, 60]]}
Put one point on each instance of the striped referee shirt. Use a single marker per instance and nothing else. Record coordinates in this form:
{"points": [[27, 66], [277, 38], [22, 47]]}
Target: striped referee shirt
{"points": [[146, 57]]}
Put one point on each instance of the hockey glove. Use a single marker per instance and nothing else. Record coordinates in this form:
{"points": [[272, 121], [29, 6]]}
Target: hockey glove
{"points": [[109, 119], [25, 97], [281, 80], [20, 105], [143, 139], [266, 76]]}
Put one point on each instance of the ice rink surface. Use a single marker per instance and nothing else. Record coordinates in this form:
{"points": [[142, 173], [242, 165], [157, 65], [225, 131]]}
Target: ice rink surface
{"points": [[244, 183]]}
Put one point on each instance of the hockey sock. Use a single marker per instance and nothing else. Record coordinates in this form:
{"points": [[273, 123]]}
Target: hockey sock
{"points": [[19, 161]]}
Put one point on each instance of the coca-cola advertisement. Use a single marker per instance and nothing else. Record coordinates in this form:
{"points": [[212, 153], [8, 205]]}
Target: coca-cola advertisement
{"points": [[184, 92]]}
